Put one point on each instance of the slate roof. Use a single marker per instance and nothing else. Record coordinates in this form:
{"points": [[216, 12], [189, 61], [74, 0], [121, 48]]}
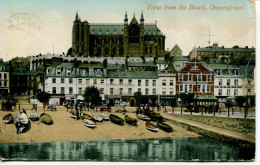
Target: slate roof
{"points": [[118, 29], [226, 69], [116, 66], [226, 49], [141, 64], [133, 75], [249, 70], [161, 61]]}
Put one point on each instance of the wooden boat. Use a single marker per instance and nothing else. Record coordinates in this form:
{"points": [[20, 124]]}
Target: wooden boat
{"points": [[46, 119], [115, 119], [130, 120], [143, 117], [72, 114], [21, 121], [86, 116], [151, 127], [97, 118], [104, 116], [8, 119], [164, 127], [89, 123], [33, 117]]}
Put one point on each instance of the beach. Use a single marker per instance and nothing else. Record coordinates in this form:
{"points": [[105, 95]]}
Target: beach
{"points": [[67, 129]]}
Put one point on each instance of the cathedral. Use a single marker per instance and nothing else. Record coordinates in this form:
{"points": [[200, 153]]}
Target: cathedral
{"points": [[132, 39]]}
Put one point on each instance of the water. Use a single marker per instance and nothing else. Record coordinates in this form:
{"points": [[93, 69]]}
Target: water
{"points": [[167, 149]]}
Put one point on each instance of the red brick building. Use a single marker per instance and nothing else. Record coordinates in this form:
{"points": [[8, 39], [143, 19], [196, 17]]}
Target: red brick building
{"points": [[197, 77]]}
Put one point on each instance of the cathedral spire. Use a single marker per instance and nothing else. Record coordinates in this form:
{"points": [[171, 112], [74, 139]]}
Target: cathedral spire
{"points": [[126, 19], [77, 16], [142, 19]]}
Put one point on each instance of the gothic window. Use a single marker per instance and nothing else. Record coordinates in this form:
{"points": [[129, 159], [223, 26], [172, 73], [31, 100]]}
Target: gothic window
{"points": [[106, 50], [98, 51], [145, 50], [134, 33], [151, 50], [114, 52], [121, 51]]}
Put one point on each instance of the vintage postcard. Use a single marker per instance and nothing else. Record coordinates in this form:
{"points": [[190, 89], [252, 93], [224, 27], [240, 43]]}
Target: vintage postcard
{"points": [[128, 81]]}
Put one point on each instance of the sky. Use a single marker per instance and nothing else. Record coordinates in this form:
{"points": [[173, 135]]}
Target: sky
{"points": [[31, 27]]}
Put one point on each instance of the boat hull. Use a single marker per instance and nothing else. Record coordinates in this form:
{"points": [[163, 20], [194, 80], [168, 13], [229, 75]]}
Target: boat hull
{"points": [[152, 127], [89, 123], [143, 117]]}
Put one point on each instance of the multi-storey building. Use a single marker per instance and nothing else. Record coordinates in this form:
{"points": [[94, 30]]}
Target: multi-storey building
{"points": [[227, 81], [215, 51], [67, 82], [117, 40], [248, 83], [176, 52], [4, 78], [198, 78]]}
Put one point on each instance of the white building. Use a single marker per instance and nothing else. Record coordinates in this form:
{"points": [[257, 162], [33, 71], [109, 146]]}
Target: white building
{"points": [[227, 81], [66, 82]]}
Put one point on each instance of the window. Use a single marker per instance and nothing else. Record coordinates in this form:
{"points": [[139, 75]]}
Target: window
{"points": [[185, 88], [62, 91], [98, 72], [195, 67], [208, 88], [163, 82], [130, 81], [181, 88], [80, 81], [203, 88], [228, 81], [101, 90], [62, 80], [220, 82], [190, 88], [209, 77], [5, 83], [199, 88], [235, 92], [70, 90], [163, 91], [146, 82], [94, 81], [53, 80], [248, 82], [80, 90], [249, 91], [102, 81], [120, 91], [236, 81], [154, 91], [180, 77], [146, 91], [53, 90], [171, 82], [190, 77], [129, 91], [199, 77], [121, 81], [171, 91], [87, 81], [228, 92], [220, 92], [139, 89], [112, 81], [154, 82], [139, 82], [70, 80], [111, 91], [151, 50]]}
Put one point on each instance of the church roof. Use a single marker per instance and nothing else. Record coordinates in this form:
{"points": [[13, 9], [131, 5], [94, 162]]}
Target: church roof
{"points": [[118, 29]]}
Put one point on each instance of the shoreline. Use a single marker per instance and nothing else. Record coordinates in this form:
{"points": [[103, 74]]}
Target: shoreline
{"points": [[66, 129]]}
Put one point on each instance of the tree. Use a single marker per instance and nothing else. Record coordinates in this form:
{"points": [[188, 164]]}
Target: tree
{"points": [[240, 100], [91, 95], [138, 98], [43, 97], [228, 104]]}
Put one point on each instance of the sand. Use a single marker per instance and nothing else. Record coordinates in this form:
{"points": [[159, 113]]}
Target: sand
{"points": [[68, 129]]}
